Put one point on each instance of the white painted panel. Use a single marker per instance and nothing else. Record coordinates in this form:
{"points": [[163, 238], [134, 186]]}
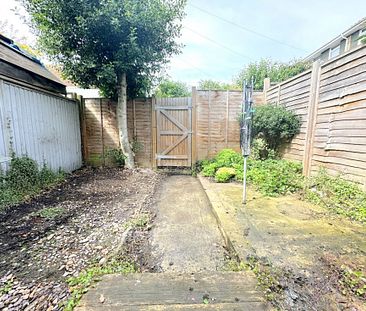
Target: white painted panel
{"points": [[44, 127]]}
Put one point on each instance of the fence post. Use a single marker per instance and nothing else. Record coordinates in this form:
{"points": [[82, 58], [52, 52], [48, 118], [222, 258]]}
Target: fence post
{"points": [[153, 131], [266, 86], [194, 125], [312, 116]]}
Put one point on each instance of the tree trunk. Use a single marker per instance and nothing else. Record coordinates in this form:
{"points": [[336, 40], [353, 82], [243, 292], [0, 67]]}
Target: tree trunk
{"points": [[122, 121]]}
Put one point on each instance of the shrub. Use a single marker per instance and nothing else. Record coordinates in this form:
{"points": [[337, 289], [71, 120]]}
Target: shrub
{"points": [[224, 174], [271, 177], [340, 195], [116, 155], [275, 125], [209, 169], [22, 176], [227, 158]]}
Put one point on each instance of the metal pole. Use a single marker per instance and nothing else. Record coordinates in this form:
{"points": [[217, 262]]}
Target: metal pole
{"points": [[245, 181]]}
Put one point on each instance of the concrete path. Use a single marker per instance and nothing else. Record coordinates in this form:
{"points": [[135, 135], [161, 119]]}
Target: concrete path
{"points": [[186, 237], [189, 246]]}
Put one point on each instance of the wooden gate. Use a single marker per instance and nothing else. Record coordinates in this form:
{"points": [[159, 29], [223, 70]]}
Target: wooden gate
{"points": [[173, 120]]}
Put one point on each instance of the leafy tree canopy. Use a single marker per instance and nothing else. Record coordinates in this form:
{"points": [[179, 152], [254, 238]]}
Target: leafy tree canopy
{"points": [[169, 88], [96, 41], [265, 68], [216, 85]]}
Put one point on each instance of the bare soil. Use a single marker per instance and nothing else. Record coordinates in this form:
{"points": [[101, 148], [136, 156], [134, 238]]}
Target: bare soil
{"points": [[85, 220]]}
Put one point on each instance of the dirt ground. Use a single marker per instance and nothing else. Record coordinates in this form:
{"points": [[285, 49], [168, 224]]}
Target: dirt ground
{"points": [[86, 220], [301, 252]]}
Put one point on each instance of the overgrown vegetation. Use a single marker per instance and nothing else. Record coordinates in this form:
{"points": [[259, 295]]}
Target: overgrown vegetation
{"points": [[271, 177], [80, 284], [24, 179], [116, 155], [266, 68], [275, 124], [342, 196]]}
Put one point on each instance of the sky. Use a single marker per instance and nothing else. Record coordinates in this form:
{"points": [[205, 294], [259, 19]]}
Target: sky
{"points": [[220, 37]]}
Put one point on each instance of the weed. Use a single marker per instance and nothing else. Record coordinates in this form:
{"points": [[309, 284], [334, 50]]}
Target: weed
{"points": [[24, 179], [116, 155], [353, 281], [49, 212], [139, 222], [80, 284], [6, 288], [337, 194]]}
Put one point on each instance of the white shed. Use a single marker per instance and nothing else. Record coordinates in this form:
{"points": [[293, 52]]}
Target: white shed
{"points": [[36, 117]]}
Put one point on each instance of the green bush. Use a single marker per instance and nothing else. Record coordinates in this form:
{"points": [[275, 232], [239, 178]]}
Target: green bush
{"points": [[23, 179], [271, 177], [22, 176], [340, 195], [227, 158], [209, 169], [275, 125], [224, 174], [116, 155]]}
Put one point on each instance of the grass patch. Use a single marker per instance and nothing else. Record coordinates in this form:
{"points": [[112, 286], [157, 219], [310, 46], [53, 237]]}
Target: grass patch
{"points": [[139, 222], [25, 179], [7, 287], [49, 212], [79, 285], [337, 194]]}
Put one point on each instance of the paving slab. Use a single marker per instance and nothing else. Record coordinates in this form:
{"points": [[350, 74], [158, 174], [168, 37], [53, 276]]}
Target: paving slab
{"points": [[172, 291], [186, 237]]}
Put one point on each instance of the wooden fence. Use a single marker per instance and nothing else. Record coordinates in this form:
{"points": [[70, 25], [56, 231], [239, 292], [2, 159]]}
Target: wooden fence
{"points": [[331, 101], [190, 129]]}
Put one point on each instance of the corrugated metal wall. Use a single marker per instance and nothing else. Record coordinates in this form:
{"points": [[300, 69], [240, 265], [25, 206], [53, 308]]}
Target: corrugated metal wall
{"points": [[42, 126]]}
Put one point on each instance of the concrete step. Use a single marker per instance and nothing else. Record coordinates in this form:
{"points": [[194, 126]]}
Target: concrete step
{"points": [[168, 291]]}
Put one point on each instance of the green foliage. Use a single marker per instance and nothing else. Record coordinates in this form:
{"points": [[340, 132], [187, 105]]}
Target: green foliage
{"points": [[227, 158], [139, 222], [275, 125], [209, 169], [275, 177], [216, 85], [261, 151], [271, 177], [353, 281], [224, 174], [339, 195], [116, 155], [80, 284], [265, 68], [50, 212], [169, 88], [25, 179], [97, 41], [22, 175]]}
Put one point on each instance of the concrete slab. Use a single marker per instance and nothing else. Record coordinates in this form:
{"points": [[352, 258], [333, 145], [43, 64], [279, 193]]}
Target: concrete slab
{"points": [[167, 291], [186, 237]]}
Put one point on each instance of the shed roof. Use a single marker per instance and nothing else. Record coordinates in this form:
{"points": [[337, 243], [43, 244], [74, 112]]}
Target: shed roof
{"points": [[17, 64]]}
